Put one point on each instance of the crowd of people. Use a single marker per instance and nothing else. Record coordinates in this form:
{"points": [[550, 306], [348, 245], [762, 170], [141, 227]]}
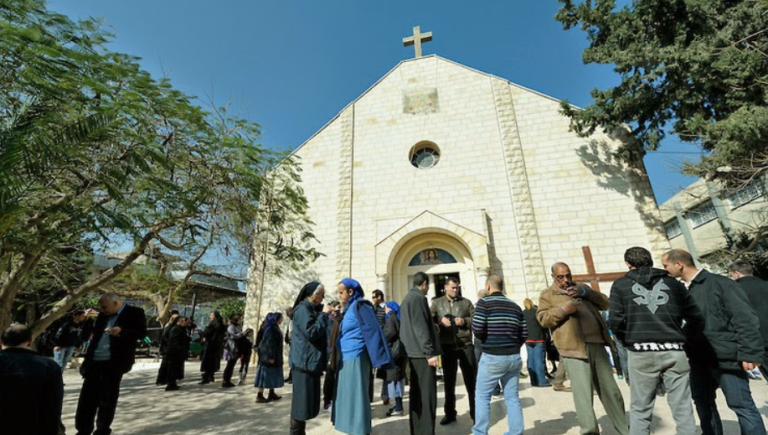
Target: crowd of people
{"points": [[680, 330]]}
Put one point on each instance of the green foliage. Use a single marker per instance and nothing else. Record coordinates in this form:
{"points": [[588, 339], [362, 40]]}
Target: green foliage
{"points": [[694, 68], [94, 151], [229, 307]]}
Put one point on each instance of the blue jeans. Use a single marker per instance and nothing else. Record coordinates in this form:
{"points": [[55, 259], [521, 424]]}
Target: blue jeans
{"points": [[492, 369], [735, 386], [536, 368], [63, 356]]}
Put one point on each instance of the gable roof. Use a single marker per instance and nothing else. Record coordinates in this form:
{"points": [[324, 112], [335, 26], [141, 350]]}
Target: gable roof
{"points": [[402, 62]]}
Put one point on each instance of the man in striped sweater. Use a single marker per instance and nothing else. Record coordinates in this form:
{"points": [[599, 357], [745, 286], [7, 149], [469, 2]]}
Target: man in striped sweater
{"points": [[499, 324]]}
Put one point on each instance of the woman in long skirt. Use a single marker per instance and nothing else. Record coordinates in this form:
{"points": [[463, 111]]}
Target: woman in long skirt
{"points": [[309, 343], [352, 405], [162, 374], [269, 373], [176, 351], [213, 335]]}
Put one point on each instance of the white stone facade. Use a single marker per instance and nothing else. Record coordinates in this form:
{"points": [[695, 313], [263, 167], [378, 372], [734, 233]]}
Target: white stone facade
{"points": [[513, 192]]}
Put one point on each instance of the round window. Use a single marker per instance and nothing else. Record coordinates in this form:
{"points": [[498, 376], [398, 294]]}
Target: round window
{"points": [[425, 155]]}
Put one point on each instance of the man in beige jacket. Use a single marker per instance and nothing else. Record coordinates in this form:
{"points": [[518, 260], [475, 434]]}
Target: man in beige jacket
{"points": [[571, 311]]}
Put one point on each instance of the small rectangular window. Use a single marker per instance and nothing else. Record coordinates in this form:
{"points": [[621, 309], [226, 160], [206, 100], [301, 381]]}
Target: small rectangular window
{"points": [[673, 229], [746, 194], [702, 214]]}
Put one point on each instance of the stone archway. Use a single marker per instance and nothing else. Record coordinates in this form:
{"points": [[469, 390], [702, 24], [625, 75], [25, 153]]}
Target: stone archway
{"points": [[393, 253]]}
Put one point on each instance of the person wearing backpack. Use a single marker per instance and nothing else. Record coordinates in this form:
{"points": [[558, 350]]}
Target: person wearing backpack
{"points": [[395, 380]]}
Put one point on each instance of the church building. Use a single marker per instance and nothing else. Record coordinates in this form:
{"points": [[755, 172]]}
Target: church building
{"points": [[443, 169]]}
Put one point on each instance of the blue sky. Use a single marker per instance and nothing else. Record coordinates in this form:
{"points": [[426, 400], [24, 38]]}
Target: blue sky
{"points": [[291, 66]]}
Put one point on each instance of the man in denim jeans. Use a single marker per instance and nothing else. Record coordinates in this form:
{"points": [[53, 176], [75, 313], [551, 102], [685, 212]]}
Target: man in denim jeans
{"points": [[500, 326]]}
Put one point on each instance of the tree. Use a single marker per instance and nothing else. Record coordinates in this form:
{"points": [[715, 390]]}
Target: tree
{"points": [[695, 69], [282, 237], [111, 156]]}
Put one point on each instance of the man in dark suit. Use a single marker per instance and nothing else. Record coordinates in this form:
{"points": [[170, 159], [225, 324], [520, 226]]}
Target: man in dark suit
{"points": [[757, 293], [111, 355], [31, 389]]}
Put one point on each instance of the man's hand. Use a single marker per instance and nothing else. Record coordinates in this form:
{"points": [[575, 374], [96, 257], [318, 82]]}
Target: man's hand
{"points": [[114, 331], [327, 309], [459, 321], [271, 361], [747, 366], [571, 306], [57, 349], [444, 321], [432, 361], [575, 292]]}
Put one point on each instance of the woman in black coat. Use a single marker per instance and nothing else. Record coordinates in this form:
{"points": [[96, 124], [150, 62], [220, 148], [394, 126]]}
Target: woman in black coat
{"points": [[176, 351], [395, 380], [213, 334], [309, 354], [162, 374]]}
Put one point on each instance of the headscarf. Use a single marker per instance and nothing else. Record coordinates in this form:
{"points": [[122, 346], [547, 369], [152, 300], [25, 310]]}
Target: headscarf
{"points": [[395, 309], [218, 321], [272, 319], [352, 284], [305, 292]]}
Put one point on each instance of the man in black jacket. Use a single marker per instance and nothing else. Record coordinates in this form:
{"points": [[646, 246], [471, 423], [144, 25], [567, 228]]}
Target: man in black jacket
{"points": [[728, 347], [111, 355], [757, 293], [417, 333], [648, 308], [31, 389], [453, 316]]}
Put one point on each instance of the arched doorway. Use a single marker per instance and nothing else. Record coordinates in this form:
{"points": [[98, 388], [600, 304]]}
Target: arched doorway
{"points": [[438, 255]]}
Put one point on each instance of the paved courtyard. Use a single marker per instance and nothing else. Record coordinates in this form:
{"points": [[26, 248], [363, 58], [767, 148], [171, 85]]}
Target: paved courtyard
{"points": [[146, 409]]}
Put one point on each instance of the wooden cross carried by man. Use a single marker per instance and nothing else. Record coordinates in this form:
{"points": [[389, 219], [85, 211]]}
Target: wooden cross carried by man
{"points": [[592, 276]]}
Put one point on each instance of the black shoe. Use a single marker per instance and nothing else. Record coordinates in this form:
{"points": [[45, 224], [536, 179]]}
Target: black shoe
{"points": [[393, 411], [203, 382], [288, 381], [172, 388], [448, 419], [227, 385]]}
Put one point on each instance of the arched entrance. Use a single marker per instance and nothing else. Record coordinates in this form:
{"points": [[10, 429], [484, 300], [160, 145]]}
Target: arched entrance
{"points": [[438, 255], [395, 254]]}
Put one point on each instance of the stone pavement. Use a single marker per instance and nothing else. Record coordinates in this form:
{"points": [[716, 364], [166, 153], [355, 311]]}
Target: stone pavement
{"points": [[146, 409]]}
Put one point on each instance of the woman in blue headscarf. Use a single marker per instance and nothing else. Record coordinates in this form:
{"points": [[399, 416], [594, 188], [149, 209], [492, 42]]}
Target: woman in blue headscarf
{"points": [[269, 373], [395, 381], [352, 403]]}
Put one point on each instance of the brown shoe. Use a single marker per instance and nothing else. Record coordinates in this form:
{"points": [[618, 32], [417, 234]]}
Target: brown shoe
{"points": [[562, 388], [261, 399]]}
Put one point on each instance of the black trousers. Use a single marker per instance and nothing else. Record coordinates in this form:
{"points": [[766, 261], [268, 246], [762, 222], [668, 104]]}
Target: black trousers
{"points": [[423, 396], [98, 399], [329, 386], [228, 371], [453, 359]]}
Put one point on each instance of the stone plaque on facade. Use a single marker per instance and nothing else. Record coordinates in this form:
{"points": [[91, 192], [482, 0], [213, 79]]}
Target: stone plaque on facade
{"points": [[423, 100]]}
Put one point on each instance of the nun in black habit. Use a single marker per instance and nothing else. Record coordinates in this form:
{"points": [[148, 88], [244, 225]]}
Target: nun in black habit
{"points": [[308, 355], [213, 334]]}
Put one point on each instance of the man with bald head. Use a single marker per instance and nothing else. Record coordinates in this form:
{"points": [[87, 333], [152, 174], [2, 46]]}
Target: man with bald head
{"points": [[728, 347], [111, 355], [571, 311], [499, 324], [31, 388]]}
